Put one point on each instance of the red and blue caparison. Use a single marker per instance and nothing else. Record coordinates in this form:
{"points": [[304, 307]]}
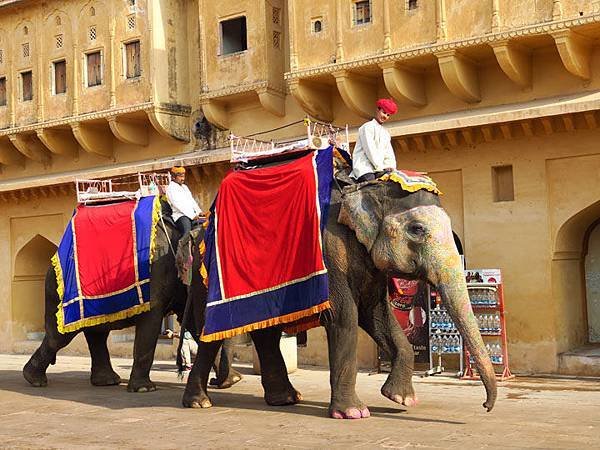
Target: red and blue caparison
{"points": [[263, 249], [102, 265]]}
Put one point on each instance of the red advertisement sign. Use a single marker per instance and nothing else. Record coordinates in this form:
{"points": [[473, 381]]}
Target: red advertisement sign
{"points": [[408, 299]]}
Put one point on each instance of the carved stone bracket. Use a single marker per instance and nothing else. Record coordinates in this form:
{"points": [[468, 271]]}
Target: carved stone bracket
{"points": [[93, 139], [30, 147], [575, 51], [515, 62], [358, 92], [405, 86], [59, 141], [9, 155], [314, 98], [129, 131], [273, 101], [460, 75], [171, 120], [216, 113]]}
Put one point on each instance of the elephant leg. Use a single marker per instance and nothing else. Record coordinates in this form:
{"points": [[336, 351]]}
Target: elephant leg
{"points": [[379, 322], [195, 395], [102, 371], [278, 389], [147, 329], [227, 376], [35, 369], [342, 338]]}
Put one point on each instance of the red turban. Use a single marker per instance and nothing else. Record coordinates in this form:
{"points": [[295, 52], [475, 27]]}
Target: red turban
{"points": [[388, 105]]}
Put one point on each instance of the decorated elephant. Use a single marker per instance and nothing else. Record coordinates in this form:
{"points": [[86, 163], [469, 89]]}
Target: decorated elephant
{"points": [[167, 294], [374, 230]]}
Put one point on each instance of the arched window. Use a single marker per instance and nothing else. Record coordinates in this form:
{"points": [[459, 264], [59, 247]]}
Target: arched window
{"points": [[317, 26], [413, 4], [92, 11]]}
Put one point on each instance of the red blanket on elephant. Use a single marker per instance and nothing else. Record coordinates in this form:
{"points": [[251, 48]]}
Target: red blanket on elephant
{"points": [[103, 263], [264, 256]]}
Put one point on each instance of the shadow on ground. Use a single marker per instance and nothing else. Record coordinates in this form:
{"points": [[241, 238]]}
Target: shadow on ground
{"points": [[74, 386]]}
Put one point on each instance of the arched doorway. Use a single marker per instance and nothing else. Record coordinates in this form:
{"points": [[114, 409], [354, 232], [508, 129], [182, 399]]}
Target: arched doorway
{"points": [[592, 282], [31, 264]]}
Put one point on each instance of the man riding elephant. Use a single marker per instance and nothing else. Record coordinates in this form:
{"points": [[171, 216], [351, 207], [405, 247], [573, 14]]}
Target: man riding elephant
{"points": [[374, 230], [167, 294]]}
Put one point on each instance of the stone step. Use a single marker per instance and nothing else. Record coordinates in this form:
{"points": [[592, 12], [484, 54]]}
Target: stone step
{"points": [[584, 361]]}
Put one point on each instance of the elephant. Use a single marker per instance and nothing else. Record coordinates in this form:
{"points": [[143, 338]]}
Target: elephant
{"points": [[168, 293], [374, 230]]}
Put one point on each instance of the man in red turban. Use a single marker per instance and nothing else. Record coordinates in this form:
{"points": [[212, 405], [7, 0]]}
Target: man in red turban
{"points": [[373, 153]]}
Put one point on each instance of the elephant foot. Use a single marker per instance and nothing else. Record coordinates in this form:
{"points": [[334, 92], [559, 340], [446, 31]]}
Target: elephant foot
{"points": [[288, 397], [403, 396], [34, 376], [105, 378], [350, 413], [195, 400], [234, 377], [140, 386]]}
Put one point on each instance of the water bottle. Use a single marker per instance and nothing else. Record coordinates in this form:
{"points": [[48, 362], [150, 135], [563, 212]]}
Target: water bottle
{"points": [[497, 323], [152, 189]]}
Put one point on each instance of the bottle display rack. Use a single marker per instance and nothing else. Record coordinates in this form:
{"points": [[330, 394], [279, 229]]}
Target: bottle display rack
{"points": [[487, 300], [444, 338]]}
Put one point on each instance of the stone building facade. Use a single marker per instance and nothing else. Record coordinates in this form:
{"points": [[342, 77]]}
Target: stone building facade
{"points": [[498, 101]]}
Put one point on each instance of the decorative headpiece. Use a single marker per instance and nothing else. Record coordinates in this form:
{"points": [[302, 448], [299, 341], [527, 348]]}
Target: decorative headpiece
{"points": [[388, 105]]}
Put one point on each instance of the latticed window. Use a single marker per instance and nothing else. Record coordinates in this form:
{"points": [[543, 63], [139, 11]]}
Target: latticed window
{"points": [[133, 60], [27, 86], [94, 69], [1, 56], [276, 39], [93, 33], [25, 47], [59, 41], [362, 12], [276, 15], [3, 91], [131, 22], [60, 77]]}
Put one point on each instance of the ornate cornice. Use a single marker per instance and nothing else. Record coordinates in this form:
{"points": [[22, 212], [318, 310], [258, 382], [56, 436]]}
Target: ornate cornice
{"points": [[242, 89], [164, 108], [432, 48]]}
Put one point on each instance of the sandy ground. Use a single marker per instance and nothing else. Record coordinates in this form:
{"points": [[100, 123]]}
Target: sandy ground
{"points": [[70, 413]]}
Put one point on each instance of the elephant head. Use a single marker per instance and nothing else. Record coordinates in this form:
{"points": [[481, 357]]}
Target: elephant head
{"points": [[409, 235]]}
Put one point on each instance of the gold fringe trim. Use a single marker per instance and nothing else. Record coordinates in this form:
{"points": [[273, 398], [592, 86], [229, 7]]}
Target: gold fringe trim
{"points": [[60, 289], [92, 321], [413, 187], [156, 212], [266, 323], [203, 271]]}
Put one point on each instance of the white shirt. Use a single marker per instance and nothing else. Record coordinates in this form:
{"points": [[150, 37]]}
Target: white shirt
{"points": [[182, 202], [373, 151]]}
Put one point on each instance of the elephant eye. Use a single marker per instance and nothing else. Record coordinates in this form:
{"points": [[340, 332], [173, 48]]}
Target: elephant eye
{"points": [[417, 229]]}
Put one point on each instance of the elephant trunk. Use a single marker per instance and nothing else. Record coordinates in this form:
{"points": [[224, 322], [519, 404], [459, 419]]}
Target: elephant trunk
{"points": [[448, 278]]}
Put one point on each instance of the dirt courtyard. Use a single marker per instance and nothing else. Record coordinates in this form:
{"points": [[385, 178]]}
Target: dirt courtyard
{"points": [[70, 413]]}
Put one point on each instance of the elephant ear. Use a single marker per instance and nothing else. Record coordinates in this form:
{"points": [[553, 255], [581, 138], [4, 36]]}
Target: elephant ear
{"points": [[361, 211]]}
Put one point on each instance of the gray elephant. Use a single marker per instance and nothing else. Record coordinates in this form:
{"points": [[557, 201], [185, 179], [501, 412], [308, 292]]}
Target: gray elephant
{"points": [[168, 293], [374, 230]]}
